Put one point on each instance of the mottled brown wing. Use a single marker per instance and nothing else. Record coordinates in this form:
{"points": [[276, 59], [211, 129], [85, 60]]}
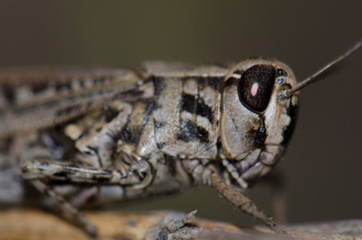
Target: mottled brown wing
{"points": [[37, 98]]}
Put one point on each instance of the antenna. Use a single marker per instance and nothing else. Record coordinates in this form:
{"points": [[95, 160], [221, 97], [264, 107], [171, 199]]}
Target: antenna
{"points": [[314, 77]]}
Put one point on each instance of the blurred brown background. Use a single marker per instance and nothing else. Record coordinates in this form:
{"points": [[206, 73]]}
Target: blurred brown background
{"points": [[323, 166]]}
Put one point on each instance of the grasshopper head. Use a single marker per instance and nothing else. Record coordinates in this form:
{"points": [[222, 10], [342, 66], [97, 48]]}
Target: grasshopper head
{"points": [[256, 122]]}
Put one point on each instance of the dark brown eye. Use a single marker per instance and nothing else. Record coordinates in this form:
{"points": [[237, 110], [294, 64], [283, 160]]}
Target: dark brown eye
{"points": [[255, 87]]}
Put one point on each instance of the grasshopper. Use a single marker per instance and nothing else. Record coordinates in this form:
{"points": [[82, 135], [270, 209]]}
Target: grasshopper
{"points": [[89, 137]]}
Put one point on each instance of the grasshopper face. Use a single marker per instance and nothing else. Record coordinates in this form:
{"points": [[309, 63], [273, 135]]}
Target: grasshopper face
{"points": [[256, 123]]}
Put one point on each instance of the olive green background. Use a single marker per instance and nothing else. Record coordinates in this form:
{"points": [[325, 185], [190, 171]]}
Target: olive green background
{"points": [[322, 168]]}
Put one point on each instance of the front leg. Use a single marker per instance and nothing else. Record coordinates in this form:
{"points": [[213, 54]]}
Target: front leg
{"points": [[42, 172], [207, 174], [243, 203], [48, 169], [66, 208]]}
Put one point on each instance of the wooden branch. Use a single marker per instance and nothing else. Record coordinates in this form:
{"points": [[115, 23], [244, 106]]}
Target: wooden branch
{"points": [[30, 224]]}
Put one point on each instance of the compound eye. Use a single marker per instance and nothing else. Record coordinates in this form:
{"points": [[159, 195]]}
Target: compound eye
{"points": [[255, 87]]}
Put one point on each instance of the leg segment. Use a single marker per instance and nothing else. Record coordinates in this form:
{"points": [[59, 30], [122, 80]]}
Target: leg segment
{"points": [[207, 174], [65, 171], [66, 208], [43, 170], [244, 204]]}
